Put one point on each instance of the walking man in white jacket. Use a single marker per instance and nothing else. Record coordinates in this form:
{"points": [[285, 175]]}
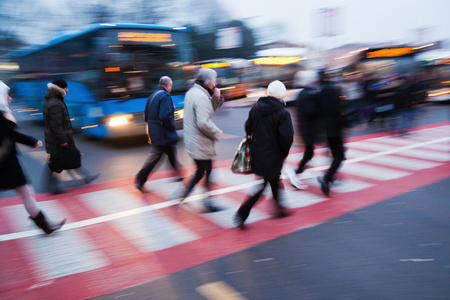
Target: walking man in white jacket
{"points": [[200, 132]]}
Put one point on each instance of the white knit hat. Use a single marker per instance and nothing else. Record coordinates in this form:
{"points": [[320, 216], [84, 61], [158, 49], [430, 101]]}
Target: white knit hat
{"points": [[276, 89]]}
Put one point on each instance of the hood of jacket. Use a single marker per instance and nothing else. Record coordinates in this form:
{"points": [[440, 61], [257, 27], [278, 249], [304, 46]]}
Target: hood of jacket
{"points": [[54, 91], [269, 105]]}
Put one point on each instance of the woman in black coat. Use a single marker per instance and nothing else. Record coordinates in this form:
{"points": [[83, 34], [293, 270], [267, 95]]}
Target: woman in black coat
{"points": [[58, 131], [270, 127], [11, 173]]}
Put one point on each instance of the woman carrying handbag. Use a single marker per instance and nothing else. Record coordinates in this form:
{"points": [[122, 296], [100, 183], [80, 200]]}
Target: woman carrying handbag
{"points": [[59, 134], [270, 127]]}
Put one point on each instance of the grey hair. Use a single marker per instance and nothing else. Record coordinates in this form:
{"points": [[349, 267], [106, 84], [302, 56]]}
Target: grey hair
{"points": [[165, 81], [207, 75]]}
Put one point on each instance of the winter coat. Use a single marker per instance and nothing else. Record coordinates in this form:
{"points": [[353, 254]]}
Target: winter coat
{"points": [[11, 174], [200, 132], [330, 108], [270, 126], [308, 112], [58, 128], [159, 115]]}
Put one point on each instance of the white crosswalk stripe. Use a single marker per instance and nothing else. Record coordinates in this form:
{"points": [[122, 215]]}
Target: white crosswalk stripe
{"points": [[406, 142], [425, 154], [149, 231], [374, 172], [296, 199], [418, 153], [59, 254], [395, 161], [225, 216]]}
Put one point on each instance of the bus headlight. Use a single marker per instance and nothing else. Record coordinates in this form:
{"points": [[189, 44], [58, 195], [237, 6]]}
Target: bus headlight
{"points": [[120, 120], [179, 114]]}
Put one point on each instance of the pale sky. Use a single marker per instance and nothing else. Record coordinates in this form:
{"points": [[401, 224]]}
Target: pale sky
{"points": [[374, 21]]}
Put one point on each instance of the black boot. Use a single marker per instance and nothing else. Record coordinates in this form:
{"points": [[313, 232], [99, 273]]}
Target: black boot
{"points": [[42, 223], [53, 184], [209, 206]]}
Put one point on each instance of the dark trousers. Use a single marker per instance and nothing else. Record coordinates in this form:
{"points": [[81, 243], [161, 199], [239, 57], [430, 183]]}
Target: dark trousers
{"points": [[203, 167], [244, 209], [155, 155], [307, 156], [52, 183], [308, 133], [336, 146]]}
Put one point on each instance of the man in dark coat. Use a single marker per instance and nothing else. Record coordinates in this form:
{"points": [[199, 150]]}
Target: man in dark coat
{"points": [[58, 129], [331, 114], [308, 112], [162, 134], [270, 127]]}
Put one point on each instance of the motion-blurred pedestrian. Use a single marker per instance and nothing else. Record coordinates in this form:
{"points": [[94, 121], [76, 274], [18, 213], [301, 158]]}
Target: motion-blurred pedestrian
{"points": [[58, 131], [162, 131], [200, 132], [308, 112], [270, 127], [11, 173], [332, 117]]}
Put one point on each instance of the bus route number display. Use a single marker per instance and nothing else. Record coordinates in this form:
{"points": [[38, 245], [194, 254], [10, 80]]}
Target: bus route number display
{"points": [[146, 37]]}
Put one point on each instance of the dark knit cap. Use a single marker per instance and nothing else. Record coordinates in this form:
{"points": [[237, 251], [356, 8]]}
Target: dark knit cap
{"points": [[60, 82]]}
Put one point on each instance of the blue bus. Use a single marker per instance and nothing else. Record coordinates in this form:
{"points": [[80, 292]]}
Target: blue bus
{"points": [[111, 69]]}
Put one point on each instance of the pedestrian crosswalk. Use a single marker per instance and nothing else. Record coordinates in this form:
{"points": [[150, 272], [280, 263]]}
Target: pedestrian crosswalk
{"points": [[152, 223]]}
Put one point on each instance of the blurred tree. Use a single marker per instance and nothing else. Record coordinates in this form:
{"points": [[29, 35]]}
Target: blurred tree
{"points": [[206, 15], [205, 44], [152, 12], [49, 18], [91, 12]]}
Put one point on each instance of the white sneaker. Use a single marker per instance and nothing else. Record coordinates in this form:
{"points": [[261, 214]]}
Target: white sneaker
{"points": [[295, 181]]}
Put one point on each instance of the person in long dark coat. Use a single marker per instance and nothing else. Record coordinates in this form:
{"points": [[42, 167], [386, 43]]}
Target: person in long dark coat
{"points": [[308, 113], [58, 130], [334, 123], [270, 127], [12, 176]]}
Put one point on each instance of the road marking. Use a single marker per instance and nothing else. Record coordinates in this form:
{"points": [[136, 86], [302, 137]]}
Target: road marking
{"points": [[393, 224], [125, 295], [263, 260], [430, 244], [342, 222], [418, 259], [40, 284], [374, 172], [57, 255], [219, 290], [234, 272], [149, 231], [247, 185]]}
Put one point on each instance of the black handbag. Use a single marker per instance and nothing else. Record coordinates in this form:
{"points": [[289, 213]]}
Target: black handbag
{"points": [[242, 162], [65, 158]]}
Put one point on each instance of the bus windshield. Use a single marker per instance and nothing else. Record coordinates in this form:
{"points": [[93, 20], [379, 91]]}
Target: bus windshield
{"points": [[133, 62]]}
